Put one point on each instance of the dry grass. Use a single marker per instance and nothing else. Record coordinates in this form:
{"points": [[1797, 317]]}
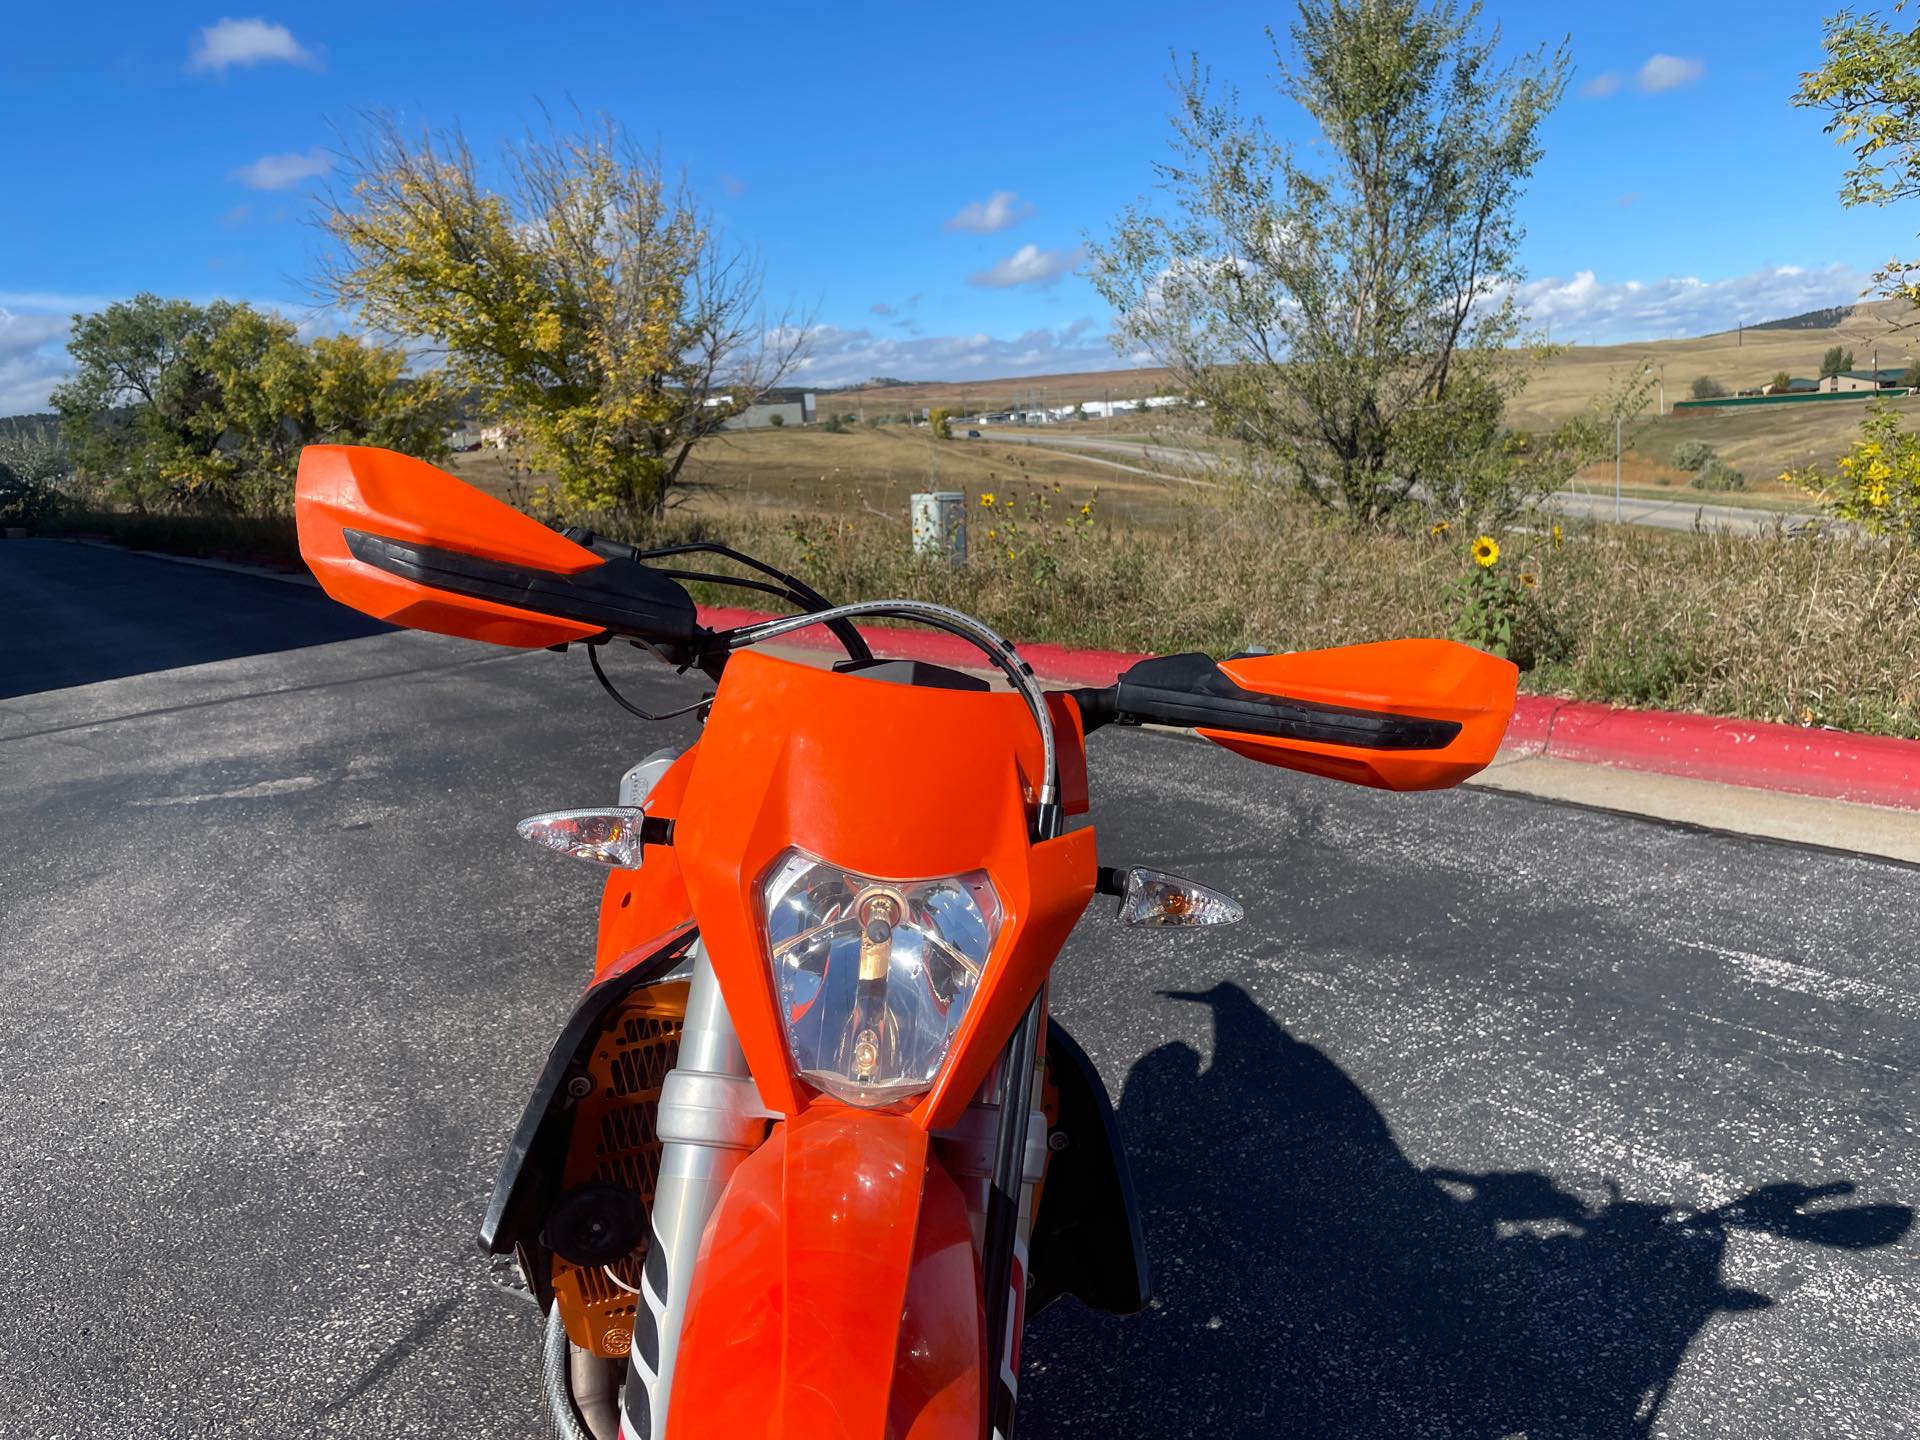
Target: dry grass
{"points": [[1768, 627], [866, 470]]}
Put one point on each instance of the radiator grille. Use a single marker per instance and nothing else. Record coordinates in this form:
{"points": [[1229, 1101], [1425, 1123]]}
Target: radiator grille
{"points": [[615, 1141]]}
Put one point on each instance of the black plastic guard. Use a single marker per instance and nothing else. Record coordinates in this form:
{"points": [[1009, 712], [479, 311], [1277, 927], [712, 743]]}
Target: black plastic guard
{"points": [[622, 596], [536, 1157], [1087, 1240], [1192, 690]]}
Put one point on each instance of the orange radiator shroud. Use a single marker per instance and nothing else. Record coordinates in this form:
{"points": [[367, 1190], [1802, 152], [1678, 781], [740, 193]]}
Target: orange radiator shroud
{"points": [[616, 1142]]}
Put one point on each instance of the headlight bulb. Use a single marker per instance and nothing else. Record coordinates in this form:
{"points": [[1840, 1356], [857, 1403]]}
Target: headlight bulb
{"points": [[874, 975]]}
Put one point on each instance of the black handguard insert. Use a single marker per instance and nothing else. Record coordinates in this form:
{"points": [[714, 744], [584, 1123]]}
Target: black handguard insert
{"points": [[621, 596], [1192, 690]]}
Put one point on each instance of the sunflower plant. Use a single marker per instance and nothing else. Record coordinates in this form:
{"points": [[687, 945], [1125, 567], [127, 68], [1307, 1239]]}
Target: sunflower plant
{"points": [[1497, 607], [1877, 482]]}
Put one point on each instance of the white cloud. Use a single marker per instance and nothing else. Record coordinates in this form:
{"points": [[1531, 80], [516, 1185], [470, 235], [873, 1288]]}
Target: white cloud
{"points": [[1669, 72], [247, 42], [283, 172], [1029, 265], [843, 357], [1591, 311], [1001, 210], [880, 307], [1600, 86], [32, 360]]}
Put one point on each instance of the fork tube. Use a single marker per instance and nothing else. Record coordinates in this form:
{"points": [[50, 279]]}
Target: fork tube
{"points": [[1003, 1216], [710, 1119]]}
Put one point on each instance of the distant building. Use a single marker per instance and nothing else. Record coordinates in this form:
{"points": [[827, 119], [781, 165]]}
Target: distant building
{"points": [[1853, 380], [794, 407], [1798, 385]]}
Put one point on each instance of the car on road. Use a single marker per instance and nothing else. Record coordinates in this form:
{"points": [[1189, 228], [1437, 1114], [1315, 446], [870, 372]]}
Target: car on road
{"points": [[973, 434]]}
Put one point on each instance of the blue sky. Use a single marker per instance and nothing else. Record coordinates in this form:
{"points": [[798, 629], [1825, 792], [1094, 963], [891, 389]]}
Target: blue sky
{"points": [[922, 190]]}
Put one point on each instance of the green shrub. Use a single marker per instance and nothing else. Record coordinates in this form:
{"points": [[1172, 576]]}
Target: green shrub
{"points": [[1708, 388], [833, 425], [1718, 475], [776, 419], [1693, 455]]}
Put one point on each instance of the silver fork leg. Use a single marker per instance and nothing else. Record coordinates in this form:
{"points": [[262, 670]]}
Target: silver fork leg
{"points": [[710, 1119]]}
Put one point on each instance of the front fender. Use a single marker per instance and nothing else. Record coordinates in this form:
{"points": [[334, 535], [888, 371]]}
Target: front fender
{"points": [[836, 1295]]}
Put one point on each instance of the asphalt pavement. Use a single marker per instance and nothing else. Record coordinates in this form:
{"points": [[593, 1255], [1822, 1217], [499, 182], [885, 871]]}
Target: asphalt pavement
{"points": [[1496, 1118]]}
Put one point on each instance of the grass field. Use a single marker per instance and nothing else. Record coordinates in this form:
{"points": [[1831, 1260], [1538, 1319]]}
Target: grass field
{"points": [[874, 470]]}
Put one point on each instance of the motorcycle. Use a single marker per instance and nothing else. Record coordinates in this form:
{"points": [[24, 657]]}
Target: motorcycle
{"points": [[810, 1148]]}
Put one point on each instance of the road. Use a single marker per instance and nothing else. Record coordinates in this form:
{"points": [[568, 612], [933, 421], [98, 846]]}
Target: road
{"points": [[1490, 1121], [1180, 462]]}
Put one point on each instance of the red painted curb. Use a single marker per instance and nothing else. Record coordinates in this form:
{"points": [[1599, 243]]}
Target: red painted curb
{"points": [[1832, 764]]}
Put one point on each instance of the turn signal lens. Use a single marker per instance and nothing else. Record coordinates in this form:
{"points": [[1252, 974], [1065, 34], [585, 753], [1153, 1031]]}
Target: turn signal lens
{"points": [[874, 976], [1154, 897], [606, 837]]}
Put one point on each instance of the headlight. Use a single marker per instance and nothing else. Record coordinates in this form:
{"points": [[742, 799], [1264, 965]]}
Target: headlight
{"points": [[874, 976]]}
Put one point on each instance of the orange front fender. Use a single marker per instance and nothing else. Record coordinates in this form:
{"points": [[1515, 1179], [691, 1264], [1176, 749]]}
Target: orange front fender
{"points": [[836, 1295]]}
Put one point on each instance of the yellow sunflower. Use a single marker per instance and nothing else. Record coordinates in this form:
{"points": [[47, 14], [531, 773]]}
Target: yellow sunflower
{"points": [[1486, 552], [1440, 528], [986, 499], [1556, 536], [1529, 580]]}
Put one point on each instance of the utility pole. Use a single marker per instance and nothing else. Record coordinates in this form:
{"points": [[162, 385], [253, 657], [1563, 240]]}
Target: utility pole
{"points": [[1106, 406], [1616, 467]]}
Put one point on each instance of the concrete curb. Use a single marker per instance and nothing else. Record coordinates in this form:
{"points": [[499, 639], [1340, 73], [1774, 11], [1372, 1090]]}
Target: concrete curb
{"points": [[1759, 755]]}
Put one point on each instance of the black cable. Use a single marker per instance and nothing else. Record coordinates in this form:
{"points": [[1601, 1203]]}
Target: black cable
{"points": [[799, 593], [593, 658]]}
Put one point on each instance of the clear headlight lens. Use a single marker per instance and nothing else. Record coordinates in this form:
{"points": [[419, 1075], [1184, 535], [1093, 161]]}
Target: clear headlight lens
{"points": [[874, 976]]}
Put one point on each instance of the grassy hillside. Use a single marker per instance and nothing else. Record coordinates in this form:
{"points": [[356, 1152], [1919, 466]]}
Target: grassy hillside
{"points": [[1761, 441]]}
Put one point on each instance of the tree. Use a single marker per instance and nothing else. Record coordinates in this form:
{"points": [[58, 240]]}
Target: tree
{"points": [[1781, 382], [593, 305], [1911, 379], [1869, 88], [1836, 361], [940, 420], [33, 449], [177, 405], [1350, 319], [1705, 387]]}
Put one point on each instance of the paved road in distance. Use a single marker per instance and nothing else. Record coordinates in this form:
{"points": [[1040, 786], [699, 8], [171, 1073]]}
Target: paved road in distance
{"points": [[1578, 504]]}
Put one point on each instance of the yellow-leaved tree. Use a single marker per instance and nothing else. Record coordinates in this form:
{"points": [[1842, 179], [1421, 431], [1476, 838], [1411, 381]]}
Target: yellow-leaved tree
{"points": [[591, 306]]}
